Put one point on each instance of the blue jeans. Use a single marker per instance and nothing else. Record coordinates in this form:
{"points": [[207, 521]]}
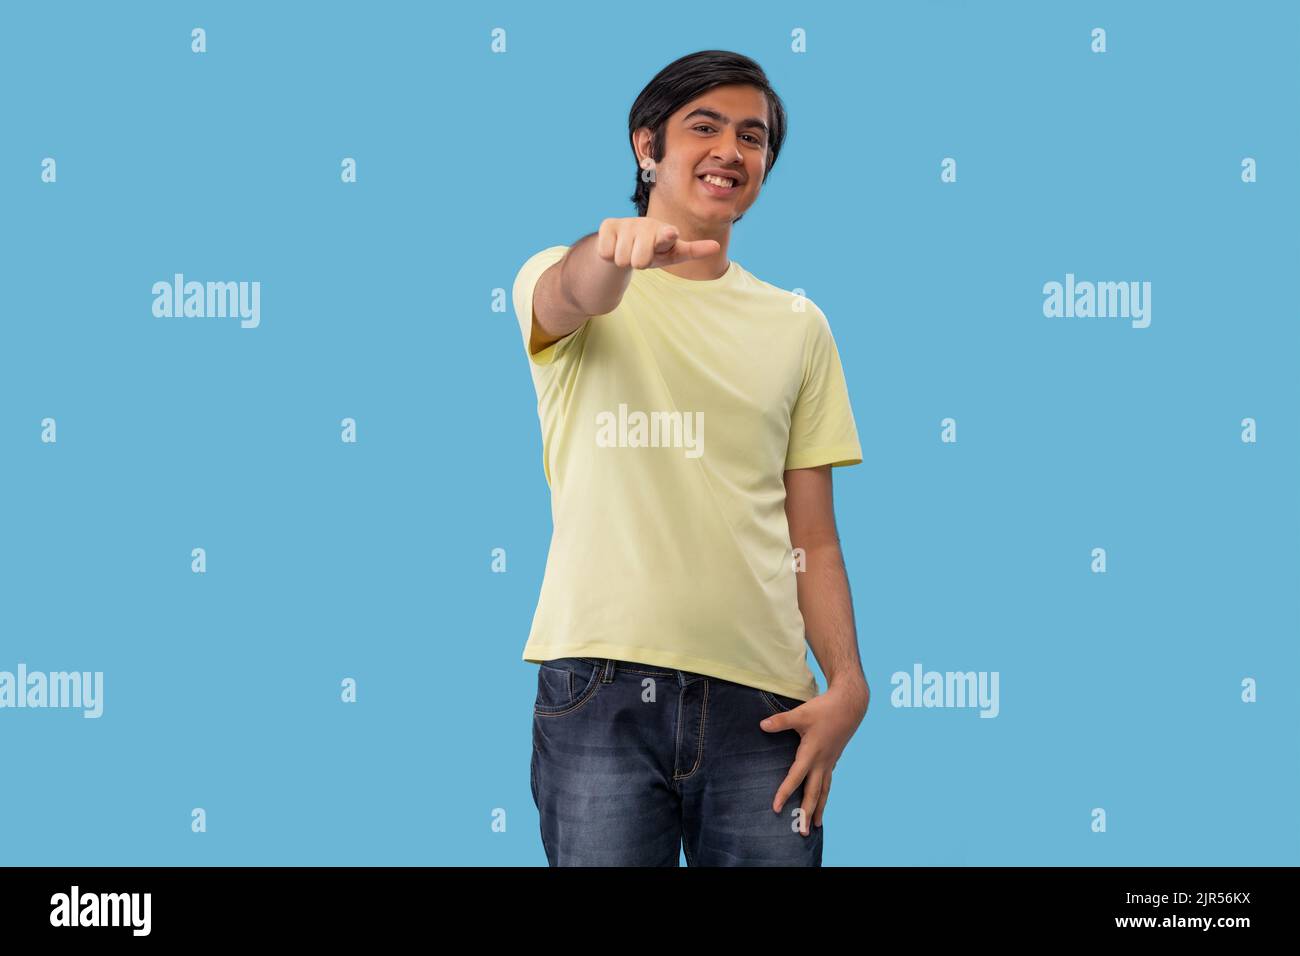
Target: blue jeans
{"points": [[631, 763]]}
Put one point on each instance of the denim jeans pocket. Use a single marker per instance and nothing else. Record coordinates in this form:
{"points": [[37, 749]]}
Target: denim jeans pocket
{"points": [[564, 685], [778, 703]]}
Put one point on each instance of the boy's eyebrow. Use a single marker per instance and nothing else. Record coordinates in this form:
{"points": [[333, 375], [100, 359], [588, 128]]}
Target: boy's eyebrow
{"points": [[753, 121]]}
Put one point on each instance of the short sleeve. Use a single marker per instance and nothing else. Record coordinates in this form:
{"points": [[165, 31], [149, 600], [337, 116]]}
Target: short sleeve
{"points": [[822, 430], [525, 283]]}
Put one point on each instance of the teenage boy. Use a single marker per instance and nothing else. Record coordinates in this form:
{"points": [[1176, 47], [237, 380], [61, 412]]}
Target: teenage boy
{"points": [[691, 414]]}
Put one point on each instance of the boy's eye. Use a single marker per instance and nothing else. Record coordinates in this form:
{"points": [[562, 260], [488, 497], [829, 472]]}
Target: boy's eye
{"points": [[756, 141]]}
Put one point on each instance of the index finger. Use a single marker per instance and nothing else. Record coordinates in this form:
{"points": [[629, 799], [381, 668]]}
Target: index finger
{"points": [[693, 249], [789, 785]]}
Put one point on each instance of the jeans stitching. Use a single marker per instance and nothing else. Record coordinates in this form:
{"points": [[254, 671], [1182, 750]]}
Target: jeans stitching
{"points": [[776, 706], [588, 693], [677, 744], [699, 744]]}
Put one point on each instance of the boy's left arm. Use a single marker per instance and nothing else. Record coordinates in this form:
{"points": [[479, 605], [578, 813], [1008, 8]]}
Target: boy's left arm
{"points": [[827, 722]]}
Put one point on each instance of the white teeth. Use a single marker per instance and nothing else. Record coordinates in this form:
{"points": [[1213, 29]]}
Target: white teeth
{"points": [[718, 180]]}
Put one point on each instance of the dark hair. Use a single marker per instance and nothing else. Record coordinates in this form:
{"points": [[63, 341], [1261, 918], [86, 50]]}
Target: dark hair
{"points": [[682, 81]]}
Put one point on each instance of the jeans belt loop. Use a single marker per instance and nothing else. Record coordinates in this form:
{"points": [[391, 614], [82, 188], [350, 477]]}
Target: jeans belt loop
{"points": [[609, 670]]}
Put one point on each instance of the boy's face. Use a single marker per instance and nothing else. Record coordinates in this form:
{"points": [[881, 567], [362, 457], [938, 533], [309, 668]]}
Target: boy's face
{"points": [[725, 130]]}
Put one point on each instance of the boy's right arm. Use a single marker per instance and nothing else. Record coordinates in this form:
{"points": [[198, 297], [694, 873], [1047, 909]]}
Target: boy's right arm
{"points": [[594, 274], [572, 290]]}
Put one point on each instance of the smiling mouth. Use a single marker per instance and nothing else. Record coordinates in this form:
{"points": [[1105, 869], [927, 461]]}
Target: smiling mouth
{"points": [[719, 181], [716, 191]]}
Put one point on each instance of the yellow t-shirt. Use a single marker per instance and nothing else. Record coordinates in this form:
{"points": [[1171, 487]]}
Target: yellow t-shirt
{"points": [[667, 426]]}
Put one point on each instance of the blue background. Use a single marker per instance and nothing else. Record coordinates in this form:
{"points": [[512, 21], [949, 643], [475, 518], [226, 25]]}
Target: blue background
{"points": [[328, 560]]}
